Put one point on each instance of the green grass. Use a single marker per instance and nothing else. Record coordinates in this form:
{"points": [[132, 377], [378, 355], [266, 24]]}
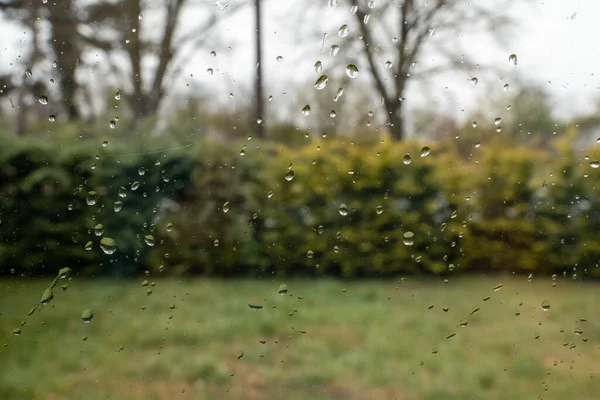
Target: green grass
{"points": [[361, 340]]}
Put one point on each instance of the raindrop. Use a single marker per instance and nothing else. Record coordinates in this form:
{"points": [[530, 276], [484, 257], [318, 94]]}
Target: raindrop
{"points": [[474, 310], [99, 230], [406, 159], [333, 3], [343, 209], [279, 59], [28, 73], [226, 207], [334, 50], [320, 229], [343, 31], [216, 243], [318, 67], [310, 254], [52, 118], [270, 194], [16, 331], [425, 151], [88, 246], [408, 238], [70, 207], [105, 143], [497, 287], [169, 227], [388, 64], [353, 10], [91, 198], [118, 94], [282, 289], [135, 185], [594, 164], [141, 172], [336, 249], [213, 53], [505, 87], [149, 239], [366, 18], [289, 175], [332, 114], [379, 209], [43, 100], [474, 81], [210, 71], [255, 306], [112, 124], [545, 305], [474, 124], [371, 4], [47, 296], [87, 315], [339, 94], [306, 110], [108, 245], [450, 335], [512, 59], [221, 5], [352, 71], [118, 205], [498, 121]]}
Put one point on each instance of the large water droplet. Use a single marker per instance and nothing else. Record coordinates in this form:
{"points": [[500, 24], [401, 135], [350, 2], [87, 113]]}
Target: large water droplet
{"points": [[289, 175], [388, 64], [87, 315], [52, 118], [334, 50], [43, 100], [352, 71], [343, 31], [512, 59], [545, 305], [408, 238], [122, 192], [149, 239], [108, 245], [321, 83], [306, 110], [91, 198], [98, 230], [118, 205], [406, 159], [343, 209], [498, 121], [594, 164], [425, 151]]}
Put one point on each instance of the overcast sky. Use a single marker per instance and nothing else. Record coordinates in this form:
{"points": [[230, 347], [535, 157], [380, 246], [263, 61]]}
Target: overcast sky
{"points": [[556, 44]]}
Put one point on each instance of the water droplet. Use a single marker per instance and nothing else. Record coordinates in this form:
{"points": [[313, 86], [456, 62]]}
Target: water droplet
{"points": [[43, 100], [88, 246], [213, 53], [117, 206], [474, 81], [99, 230], [545, 305], [505, 87], [388, 64], [52, 118], [344, 30], [221, 5], [135, 185], [497, 287], [366, 18], [451, 267], [512, 59], [270, 194], [371, 4], [353, 10], [474, 124], [28, 73], [255, 306], [336, 249], [87, 315], [112, 124], [343, 209], [408, 238], [306, 110], [352, 71], [339, 94], [279, 59], [594, 164], [406, 159], [334, 50], [498, 121], [310, 254], [210, 71], [283, 289], [450, 335], [16, 331], [425, 151], [47, 296], [379, 209], [289, 175], [474, 310], [149, 239], [318, 67], [91, 198], [320, 229], [332, 114], [141, 171], [216, 243], [108, 245], [226, 207]]}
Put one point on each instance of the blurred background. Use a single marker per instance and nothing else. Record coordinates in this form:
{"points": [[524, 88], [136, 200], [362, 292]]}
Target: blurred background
{"points": [[177, 174]]}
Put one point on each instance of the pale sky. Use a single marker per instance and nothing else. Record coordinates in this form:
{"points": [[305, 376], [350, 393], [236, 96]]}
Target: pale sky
{"points": [[556, 45]]}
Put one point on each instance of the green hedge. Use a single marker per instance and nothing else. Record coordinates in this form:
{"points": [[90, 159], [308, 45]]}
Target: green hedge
{"points": [[493, 207]]}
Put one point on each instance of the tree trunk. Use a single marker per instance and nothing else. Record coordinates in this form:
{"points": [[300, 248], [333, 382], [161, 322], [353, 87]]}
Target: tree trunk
{"points": [[260, 108]]}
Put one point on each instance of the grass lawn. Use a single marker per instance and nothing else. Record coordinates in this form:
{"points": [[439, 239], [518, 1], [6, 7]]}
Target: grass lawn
{"points": [[323, 339]]}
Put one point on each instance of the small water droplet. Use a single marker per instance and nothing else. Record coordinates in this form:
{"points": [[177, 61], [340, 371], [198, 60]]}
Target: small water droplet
{"points": [[108, 245], [279, 59], [310, 254], [332, 114], [87, 315], [43, 100], [52, 118], [425, 151], [141, 171], [306, 110], [226, 207], [497, 121], [343, 209], [318, 67], [333, 3], [352, 71], [112, 124], [28, 73], [505, 87], [339, 94], [255, 306], [283, 289], [91, 198], [334, 50], [344, 30], [216, 243], [99, 230], [353, 10], [117, 206], [379, 210], [118, 94], [289, 175], [88, 246], [497, 287], [545, 305], [16, 331], [512, 59], [135, 185], [210, 71], [270, 194], [388, 64], [474, 81], [213, 53], [408, 238], [320, 229], [406, 159], [149, 239]]}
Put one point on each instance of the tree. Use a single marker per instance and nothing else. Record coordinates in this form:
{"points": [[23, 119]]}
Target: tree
{"points": [[406, 30]]}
